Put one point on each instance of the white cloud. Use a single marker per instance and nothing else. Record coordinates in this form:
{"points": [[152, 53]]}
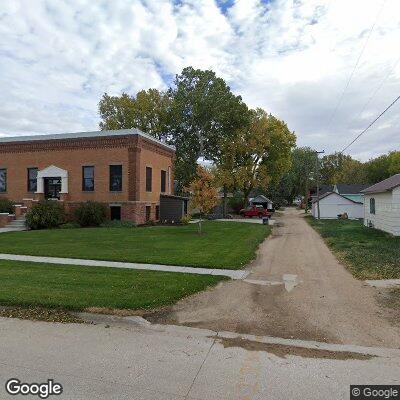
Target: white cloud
{"points": [[292, 58]]}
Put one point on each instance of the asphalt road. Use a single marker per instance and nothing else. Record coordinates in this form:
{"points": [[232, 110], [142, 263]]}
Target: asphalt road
{"points": [[134, 361]]}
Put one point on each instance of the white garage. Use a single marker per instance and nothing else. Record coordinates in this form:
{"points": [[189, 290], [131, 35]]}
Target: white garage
{"points": [[332, 204], [382, 205]]}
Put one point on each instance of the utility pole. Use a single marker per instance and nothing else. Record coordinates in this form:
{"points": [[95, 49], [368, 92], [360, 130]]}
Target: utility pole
{"points": [[307, 193], [317, 178]]}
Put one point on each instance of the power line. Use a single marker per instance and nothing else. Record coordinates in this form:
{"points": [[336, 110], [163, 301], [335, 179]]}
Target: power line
{"points": [[379, 87], [372, 123], [355, 67]]}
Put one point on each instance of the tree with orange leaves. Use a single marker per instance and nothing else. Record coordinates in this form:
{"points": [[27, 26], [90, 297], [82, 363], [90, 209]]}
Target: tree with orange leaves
{"points": [[204, 193]]}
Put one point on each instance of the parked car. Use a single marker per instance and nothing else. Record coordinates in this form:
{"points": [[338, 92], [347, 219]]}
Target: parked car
{"points": [[255, 211]]}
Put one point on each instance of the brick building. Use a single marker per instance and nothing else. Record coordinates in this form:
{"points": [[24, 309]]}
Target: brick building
{"points": [[125, 169]]}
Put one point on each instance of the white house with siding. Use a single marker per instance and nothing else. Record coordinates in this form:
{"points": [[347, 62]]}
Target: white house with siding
{"points": [[382, 205], [333, 204]]}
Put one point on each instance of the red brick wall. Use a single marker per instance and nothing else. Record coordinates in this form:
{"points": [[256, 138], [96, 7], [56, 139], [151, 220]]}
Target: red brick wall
{"points": [[157, 164], [72, 161], [133, 152], [3, 220]]}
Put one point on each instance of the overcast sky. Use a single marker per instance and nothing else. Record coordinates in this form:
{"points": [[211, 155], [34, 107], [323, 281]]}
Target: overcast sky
{"points": [[293, 58]]}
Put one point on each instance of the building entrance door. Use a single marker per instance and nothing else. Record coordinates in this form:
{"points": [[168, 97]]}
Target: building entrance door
{"points": [[52, 188]]}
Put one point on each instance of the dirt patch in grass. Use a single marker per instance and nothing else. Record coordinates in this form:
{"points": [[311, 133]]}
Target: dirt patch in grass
{"points": [[116, 311], [282, 350], [390, 300], [39, 314], [160, 315]]}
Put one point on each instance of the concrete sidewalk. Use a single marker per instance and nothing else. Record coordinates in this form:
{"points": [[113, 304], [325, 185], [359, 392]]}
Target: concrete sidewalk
{"points": [[246, 220], [233, 274], [114, 360], [5, 230]]}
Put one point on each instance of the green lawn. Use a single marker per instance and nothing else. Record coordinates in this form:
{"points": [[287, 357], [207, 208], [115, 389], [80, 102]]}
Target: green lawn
{"points": [[223, 244], [76, 288], [368, 253]]}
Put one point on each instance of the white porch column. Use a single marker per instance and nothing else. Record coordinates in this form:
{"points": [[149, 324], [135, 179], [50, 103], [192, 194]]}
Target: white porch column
{"points": [[40, 185], [64, 184]]}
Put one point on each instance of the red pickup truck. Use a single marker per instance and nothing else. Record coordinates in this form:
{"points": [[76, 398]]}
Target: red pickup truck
{"points": [[255, 211]]}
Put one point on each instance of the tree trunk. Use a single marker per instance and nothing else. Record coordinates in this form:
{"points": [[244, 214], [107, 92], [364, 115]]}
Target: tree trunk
{"points": [[224, 203], [246, 194], [200, 224]]}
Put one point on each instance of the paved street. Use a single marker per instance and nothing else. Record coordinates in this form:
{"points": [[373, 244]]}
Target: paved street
{"points": [[138, 361]]}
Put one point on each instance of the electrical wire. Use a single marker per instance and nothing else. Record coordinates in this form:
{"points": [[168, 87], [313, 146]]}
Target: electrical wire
{"points": [[379, 87], [372, 123], [355, 67]]}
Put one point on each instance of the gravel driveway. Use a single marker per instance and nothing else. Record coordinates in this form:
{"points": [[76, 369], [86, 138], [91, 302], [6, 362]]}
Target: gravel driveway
{"points": [[296, 289]]}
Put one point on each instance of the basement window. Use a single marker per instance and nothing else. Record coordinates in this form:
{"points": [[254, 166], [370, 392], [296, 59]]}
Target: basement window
{"points": [[115, 213], [148, 213]]}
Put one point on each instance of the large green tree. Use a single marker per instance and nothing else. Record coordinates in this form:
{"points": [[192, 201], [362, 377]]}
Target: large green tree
{"points": [[303, 171], [382, 167], [147, 111], [352, 171], [394, 167], [197, 114], [204, 115], [258, 155], [300, 177], [341, 168]]}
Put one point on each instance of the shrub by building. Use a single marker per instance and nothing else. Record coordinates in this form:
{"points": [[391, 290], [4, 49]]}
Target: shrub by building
{"points": [[45, 215], [91, 213], [6, 206]]}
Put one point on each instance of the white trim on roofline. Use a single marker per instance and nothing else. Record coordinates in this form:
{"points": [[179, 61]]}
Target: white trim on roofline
{"points": [[78, 135]]}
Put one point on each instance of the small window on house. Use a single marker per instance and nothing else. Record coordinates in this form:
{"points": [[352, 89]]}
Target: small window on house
{"points": [[3, 180], [157, 213], [148, 213], [88, 179], [149, 177], [115, 178], [163, 181], [372, 206], [32, 179]]}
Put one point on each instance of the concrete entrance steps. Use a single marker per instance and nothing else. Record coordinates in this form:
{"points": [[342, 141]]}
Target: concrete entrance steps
{"points": [[17, 224]]}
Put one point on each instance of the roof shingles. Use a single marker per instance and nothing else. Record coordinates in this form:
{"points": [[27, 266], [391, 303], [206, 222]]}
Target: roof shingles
{"points": [[386, 185]]}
